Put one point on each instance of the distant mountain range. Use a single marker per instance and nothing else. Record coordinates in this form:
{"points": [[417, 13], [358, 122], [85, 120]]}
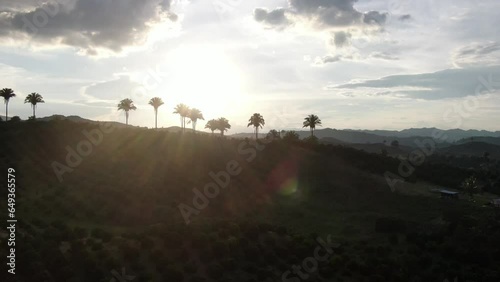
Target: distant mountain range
{"points": [[407, 138]]}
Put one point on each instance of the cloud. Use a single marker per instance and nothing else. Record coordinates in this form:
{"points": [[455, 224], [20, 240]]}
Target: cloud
{"points": [[117, 89], [405, 18], [444, 84], [383, 56], [324, 14], [88, 25], [341, 39], [276, 18], [318, 61], [478, 54]]}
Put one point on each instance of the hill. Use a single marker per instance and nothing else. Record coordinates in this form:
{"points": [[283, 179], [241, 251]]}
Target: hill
{"points": [[477, 149], [168, 206]]}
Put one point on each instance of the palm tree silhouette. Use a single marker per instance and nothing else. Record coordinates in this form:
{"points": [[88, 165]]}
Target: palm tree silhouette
{"points": [[194, 116], [34, 99], [183, 111], [7, 93], [223, 125], [212, 125], [312, 121], [257, 121], [126, 105], [156, 102]]}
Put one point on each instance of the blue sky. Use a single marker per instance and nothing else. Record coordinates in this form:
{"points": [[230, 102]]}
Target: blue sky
{"points": [[357, 64]]}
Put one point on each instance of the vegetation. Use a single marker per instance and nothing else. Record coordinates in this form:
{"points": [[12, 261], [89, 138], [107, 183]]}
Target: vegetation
{"points": [[119, 209], [223, 125], [194, 116], [6, 94], [156, 102], [212, 125], [183, 111], [257, 121], [34, 99], [126, 105], [312, 121]]}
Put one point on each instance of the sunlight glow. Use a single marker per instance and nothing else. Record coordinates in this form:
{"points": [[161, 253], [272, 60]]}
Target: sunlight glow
{"points": [[204, 77]]}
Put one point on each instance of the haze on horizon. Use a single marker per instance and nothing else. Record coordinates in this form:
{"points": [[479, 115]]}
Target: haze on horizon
{"points": [[367, 64]]}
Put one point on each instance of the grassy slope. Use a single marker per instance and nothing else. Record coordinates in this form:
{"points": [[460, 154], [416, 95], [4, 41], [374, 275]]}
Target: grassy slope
{"points": [[136, 178]]}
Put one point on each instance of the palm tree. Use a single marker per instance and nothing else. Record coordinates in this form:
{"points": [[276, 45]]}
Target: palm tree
{"points": [[34, 98], [194, 116], [183, 111], [126, 105], [212, 125], [256, 120], [223, 125], [312, 121], [273, 134], [7, 93], [156, 103]]}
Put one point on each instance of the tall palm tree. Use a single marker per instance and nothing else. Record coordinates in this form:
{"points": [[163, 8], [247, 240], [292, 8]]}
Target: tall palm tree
{"points": [[156, 102], [194, 116], [312, 121], [7, 93], [212, 125], [257, 121], [223, 125], [34, 99], [126, 105], [183, 111]]}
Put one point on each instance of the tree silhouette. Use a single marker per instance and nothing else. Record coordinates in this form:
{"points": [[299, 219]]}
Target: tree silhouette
{"points": [[194, 116], [257, 121], [212, 125], [273, 134], [291, 136], [223, 125], [470, 186], [34, 99], [312, 121], [183, 111], [7, 93], [156, 102], [126, 105]]}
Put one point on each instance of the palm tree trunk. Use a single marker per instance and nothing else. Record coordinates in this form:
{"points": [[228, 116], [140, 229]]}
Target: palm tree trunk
{"points": [[312, 132], [34, 116], [126, 118], [6, 110], [256, 133], [156, 119]]}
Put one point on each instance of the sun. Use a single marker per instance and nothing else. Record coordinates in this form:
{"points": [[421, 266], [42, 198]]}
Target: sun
{"points": [[204, 77]]}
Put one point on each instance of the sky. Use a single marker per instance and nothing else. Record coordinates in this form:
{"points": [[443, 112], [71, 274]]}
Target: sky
{"points": [[367, 64]]}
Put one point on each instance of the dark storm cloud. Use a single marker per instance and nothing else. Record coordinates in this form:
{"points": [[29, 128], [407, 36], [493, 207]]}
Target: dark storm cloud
{"points": [[331, 13], [444, 84], [85, 24]]}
